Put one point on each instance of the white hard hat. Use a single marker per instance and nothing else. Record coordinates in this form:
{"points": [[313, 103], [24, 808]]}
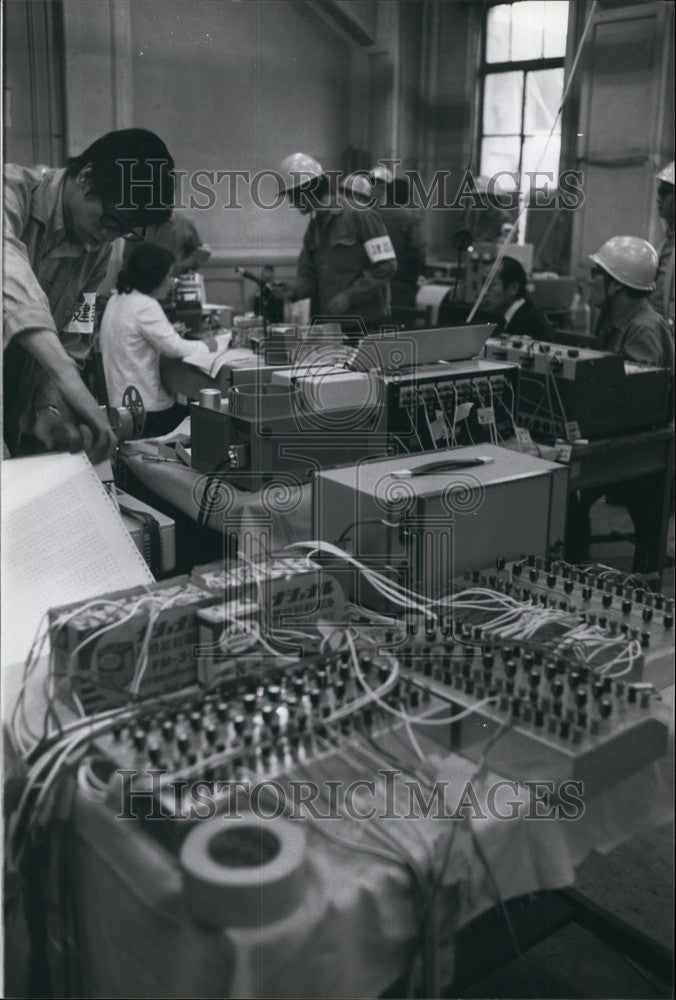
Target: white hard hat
{"points": [[666, 174], [359, 184], [630, 260], [382, 173], [297, 170]]}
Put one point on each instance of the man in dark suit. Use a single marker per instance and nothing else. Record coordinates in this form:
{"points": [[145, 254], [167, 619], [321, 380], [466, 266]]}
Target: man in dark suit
{"points": [[508, 295]]}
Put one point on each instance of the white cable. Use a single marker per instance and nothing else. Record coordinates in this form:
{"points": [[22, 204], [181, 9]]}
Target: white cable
{"points": [[404, 715]]}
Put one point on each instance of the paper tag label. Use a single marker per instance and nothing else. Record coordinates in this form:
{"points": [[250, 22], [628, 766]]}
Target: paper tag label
{"points": [[437, 427], [573, 432], [82, 320], [523, 436], [485, 415], [563, 453], [463, 411]]}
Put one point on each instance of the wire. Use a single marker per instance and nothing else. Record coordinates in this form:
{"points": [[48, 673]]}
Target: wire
{"points": [[414, 720], [413, 426]]}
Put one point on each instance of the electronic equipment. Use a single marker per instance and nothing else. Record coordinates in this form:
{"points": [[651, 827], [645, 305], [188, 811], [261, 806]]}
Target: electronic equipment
{"points": [[395, 351], [502, 669], [619, 606], [424, 519], [480, 259], [457, 403], [421, 408], [569, 392], [153, 532], [543, 717], [310, 417], [550, 724], [264, 430]]}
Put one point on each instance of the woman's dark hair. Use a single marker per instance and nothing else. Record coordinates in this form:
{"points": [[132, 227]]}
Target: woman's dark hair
{"points": [[131, 172], [512, 273], [145, 269]]}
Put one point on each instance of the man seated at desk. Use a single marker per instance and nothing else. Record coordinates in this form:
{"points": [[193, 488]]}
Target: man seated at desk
{"points": [[508, 296], [623, 276]]}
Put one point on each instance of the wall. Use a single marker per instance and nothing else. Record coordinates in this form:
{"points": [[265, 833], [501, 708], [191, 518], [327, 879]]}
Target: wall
{"points": [[33, 105], [625, 126], [238, 85]]}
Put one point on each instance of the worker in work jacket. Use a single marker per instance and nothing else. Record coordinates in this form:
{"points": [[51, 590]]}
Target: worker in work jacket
{"points": [[347, 258]]}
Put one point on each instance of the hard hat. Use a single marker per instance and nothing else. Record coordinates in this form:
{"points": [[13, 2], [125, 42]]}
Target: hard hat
{"points": [[629, 260], [666, 174], [382, 173], [297, 170], [359, 184]]}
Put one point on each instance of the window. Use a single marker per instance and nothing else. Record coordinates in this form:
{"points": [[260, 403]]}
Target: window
{"points": [[522, 86]]}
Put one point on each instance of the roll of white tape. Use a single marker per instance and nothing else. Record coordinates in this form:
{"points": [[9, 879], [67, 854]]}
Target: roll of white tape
{"points": [[210, 399], [243, 872]]}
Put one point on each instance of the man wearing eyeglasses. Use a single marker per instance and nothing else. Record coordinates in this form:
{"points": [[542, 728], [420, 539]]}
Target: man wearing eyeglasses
{"points": [[59, 228], [623, 275]]}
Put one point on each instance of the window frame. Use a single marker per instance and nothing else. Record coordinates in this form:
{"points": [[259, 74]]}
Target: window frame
{"points": [[523, 66]]}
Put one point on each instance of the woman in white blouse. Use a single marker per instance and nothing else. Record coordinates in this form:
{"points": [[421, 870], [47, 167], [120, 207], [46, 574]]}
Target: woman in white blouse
{"points": [[135, 332]]}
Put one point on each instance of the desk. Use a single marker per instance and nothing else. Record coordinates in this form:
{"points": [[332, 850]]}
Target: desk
{"points": [[279, 514], [642, 454]]}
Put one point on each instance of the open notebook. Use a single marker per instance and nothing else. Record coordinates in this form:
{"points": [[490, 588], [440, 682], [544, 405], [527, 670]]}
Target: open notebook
{"points": [[62, 540], [212, 363]]}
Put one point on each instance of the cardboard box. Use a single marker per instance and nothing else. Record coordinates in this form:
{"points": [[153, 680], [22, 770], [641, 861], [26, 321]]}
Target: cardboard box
{"points": [[99, 666]]}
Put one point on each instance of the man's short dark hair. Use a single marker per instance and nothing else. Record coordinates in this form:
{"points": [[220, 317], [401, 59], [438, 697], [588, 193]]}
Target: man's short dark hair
{"points": [[512, 273], [146, 268], [132, 173]]}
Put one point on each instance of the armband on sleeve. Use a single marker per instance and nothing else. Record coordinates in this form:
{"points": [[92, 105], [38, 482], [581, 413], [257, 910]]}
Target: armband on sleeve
{"points": [[379, 248]]}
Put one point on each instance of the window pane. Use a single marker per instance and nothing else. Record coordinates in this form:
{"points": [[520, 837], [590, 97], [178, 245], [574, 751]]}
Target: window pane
{"points": [[502, 103], [500, 153], [544, 89], [528, 20], [498, 30], [556, 28], [533, 146]]}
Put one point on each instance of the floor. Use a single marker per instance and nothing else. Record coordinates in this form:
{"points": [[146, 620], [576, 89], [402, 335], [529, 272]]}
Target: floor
{"points": [[635, 881]]}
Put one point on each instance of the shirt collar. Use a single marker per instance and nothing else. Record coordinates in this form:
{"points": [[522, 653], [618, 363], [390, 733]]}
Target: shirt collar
{"points": [[638, 306], [510, 310], [47, 208], [47, 204]]}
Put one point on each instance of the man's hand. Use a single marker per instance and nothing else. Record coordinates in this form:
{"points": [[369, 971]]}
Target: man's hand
{"points": [[72, 418], [339, 305], [283, 289], [56, 426]]}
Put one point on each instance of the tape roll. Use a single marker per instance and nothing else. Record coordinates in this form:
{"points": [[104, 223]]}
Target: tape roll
{"points": [[243, 872], [210, 398]]}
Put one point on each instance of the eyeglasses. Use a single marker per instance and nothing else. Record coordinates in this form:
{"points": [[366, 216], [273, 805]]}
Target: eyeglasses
{"points": [[117, 223]]}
